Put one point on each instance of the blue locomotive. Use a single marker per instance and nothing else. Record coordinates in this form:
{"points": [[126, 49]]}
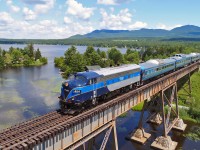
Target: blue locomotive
{"points": [[87, 88]]}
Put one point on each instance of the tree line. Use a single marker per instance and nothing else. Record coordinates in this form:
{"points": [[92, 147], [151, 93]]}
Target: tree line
{"points": [[109, 42], [27, 56], [73, 61]]}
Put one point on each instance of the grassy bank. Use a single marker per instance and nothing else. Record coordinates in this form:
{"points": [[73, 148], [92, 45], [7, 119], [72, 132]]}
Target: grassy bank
{"points": [[35, 63], [193, 114], [138, 107]]}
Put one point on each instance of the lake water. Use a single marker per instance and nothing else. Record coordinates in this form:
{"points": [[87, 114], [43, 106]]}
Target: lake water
{"points": [[27, 92]]}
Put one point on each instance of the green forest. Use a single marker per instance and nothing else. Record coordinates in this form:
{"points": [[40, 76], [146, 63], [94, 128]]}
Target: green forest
{"points": [[16, 57], [73, 61]]}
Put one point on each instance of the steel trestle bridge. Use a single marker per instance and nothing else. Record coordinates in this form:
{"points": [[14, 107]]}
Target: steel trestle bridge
{"points": [[54, 131]]}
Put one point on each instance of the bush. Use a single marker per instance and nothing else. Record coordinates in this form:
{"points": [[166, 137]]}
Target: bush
{"points": [[44, 60]]}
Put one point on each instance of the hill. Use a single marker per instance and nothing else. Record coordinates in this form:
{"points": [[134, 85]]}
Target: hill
{"points": [[187, 31]]}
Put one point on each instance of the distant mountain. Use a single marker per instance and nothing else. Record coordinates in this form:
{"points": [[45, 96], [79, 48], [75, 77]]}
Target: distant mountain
{"points": [[187, 31], [186, 28]]}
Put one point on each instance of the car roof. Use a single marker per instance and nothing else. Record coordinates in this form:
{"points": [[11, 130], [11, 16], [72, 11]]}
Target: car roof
{"points": [[118, 69], [89, 74], [155, 62]]}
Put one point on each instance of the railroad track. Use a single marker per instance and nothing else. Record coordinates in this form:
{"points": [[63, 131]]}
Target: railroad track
{"points": [[34, 129], [24, 125], [28, 128]]}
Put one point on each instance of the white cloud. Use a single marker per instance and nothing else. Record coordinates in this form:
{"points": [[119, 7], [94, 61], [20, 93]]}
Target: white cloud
{"points": [[67, 20], [118, 21], [9, 2], [81, 28], [44, 6], [78, 10], [137, 25], [47, 23], [45, 29], [5, 18], [12, 7], [29, 14], [40, 6], [166, 27], [112, 2], [106, 2], [15, 8]]}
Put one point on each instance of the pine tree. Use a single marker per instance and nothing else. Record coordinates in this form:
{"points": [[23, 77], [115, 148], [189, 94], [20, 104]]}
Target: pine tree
{"points": [[31, 50], [38, 54], [69, 53], [115, 55], [1, 62]]}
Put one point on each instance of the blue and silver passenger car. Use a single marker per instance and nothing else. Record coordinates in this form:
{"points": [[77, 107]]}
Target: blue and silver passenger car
{"points": [[155, 67], [181, 60], [195, 56]]}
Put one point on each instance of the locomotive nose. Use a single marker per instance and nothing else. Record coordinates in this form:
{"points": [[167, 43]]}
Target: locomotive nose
{"points": [[65, 89]]}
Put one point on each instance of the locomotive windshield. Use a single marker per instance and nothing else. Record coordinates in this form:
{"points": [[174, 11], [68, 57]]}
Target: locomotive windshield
{"points": [[71, 77], [77, 80], [80, 80]]}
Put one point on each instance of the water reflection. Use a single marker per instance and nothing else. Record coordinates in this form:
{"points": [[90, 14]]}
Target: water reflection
{"points": [[26, 92]]}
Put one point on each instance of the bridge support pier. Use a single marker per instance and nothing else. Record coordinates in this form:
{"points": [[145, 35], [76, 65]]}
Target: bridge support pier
{"points": [[139, 135], [154, 109], [164, 142], [156, 119], [179, 125]]}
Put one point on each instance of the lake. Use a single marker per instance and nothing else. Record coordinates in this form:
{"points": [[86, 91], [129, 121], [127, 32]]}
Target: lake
{"points": [[26, 92]]}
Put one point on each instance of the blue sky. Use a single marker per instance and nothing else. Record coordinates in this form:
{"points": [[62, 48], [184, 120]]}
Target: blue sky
{"points": [[54, 19]]}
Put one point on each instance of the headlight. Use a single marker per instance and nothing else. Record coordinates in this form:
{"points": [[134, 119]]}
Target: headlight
{"points": [[76, 91]]}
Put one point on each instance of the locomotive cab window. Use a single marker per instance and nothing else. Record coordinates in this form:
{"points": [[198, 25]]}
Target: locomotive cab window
{"points": [[92, 81], [80, 80]]}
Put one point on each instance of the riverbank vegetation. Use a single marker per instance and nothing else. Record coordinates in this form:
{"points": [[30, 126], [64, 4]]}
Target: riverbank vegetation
{"points": [[16, 57], [138, 107], [108, 42], [194, 133], [193, 102], [73, 61]]}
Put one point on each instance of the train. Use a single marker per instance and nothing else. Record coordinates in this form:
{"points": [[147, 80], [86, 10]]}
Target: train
{"points": [[88, 88]]}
